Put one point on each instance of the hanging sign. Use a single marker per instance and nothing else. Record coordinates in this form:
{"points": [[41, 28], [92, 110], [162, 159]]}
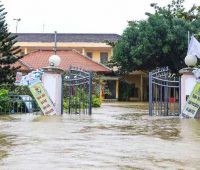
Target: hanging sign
{"points": [[193, 103], [32, 80], [42, 98]]}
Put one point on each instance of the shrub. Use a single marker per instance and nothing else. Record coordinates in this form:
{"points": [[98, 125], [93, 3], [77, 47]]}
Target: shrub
{"points": [[4, 101], [96, 101], [22, 90], [65, 104]]}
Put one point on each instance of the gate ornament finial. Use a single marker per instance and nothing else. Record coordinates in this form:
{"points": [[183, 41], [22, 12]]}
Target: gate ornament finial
{"points": [[54, 61], [190, 60], [193, 52]]}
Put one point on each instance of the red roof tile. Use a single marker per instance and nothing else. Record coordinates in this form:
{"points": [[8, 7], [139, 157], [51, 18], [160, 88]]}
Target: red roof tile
{"points": [[22, 66], [40, 59]]}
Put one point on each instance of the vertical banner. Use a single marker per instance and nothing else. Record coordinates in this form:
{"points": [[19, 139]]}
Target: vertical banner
{"points": [[42, 98], [193, 103]]}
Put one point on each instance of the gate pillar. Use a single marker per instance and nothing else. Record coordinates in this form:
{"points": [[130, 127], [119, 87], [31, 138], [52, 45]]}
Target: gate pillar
{"points": [[52, 81], [188, 82]]}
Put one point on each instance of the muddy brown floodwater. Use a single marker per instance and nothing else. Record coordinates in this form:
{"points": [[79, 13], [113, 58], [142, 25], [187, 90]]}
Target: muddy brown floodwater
{"points": [[116, 136]]}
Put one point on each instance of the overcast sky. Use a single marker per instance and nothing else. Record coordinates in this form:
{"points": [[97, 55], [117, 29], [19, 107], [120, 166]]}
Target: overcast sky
{"points": [[78, 16]]}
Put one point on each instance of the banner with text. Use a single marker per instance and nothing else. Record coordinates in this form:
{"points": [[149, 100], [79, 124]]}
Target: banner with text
{"points": [[42, 98], [193, 103]]}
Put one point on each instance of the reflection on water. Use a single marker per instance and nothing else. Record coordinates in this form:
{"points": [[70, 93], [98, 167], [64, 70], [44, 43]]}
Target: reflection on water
{"points": [[112, 138], [5, 144]]}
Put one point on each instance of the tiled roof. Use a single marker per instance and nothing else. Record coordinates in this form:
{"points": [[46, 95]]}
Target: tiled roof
{"points": [[40, 59], [67, 37], [23, 66]]}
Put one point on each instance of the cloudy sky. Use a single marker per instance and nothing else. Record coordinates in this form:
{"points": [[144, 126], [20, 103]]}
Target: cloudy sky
{"points": [[78, 16]]}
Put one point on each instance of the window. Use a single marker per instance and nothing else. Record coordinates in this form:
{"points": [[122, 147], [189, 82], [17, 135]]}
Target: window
{"points": [[103, 57], [89, 54]]}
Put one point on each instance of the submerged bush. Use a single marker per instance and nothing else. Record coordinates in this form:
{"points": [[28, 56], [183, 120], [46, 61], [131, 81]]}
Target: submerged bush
{"points": [[22, 90], [77, 102], [4, 100], [96, 101], [65, 104]]}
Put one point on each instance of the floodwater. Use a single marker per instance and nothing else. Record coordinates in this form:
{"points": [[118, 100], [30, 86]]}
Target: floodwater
{"points": [[116, 136]]}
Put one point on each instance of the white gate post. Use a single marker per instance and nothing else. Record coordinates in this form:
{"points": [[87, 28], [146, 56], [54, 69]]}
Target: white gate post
{"points": [[52, 81], [188, 81]]}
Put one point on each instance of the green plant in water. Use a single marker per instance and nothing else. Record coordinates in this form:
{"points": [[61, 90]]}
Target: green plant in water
{"points": [[96, 101], [22, 90], [4, 101], [80, 100]]}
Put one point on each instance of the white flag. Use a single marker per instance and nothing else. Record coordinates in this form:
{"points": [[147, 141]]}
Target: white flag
{"points": [[194, 47]]}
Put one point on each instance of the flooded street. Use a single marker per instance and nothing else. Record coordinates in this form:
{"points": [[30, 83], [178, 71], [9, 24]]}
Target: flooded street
{"points": [[116, 136]]}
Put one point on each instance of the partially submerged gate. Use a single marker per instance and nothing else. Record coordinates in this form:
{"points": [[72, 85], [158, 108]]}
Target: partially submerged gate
{"points": [[77, 96], [164, 93]]}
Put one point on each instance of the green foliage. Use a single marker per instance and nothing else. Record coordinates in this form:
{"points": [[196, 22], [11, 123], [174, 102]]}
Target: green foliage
{"points": [[80, 99], [124, 91], [10, 100], [76, 101], [159, 41], [22, 90], [16, 90], [4, 100], [7, 51], [3, 93], [65, 104], [96, 101]]}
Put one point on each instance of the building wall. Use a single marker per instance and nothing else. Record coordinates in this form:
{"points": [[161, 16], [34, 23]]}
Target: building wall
{"points": [[83, 48], [142, 85]]}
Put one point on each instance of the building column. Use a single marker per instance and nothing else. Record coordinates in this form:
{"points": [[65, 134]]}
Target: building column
{"points": [[117, 89], [25, 51], [83, 51], [111, 53], [52, 82], [141, 88]]}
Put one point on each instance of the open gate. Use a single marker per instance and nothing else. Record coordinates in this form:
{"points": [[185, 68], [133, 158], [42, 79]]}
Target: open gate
{"points": [[77, 88], [164, 93]]}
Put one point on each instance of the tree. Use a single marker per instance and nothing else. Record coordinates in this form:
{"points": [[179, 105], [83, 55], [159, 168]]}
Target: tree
{"points": [[7, 51], [160, 40]]}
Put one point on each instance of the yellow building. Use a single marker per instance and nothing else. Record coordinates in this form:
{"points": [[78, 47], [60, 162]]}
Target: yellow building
{"points": [[94, 47]]}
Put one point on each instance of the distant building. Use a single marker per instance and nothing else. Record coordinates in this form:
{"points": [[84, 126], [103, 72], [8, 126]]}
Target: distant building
{"points": [[87, 51], [40, 59], [91, 45]]}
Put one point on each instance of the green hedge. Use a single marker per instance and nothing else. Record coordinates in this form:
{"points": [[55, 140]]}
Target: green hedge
{"points": [[96, 101], [4, 101]]}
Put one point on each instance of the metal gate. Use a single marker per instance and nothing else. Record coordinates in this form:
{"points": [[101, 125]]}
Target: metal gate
{"points": [[164, 93], [77, 91]]}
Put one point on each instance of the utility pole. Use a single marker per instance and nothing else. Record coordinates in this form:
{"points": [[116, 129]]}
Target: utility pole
{"points": [[55, 42], [188, 38], [17, 20], [43, 26]]}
